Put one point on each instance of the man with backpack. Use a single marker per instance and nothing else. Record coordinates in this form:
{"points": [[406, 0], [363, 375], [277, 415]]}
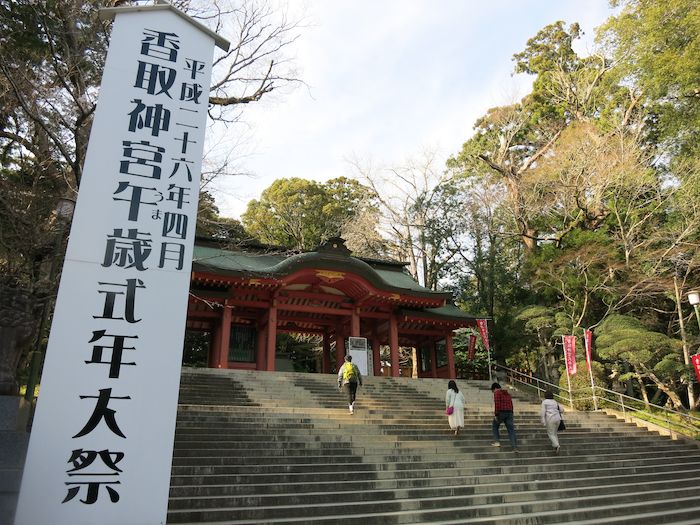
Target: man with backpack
{"points": [[503, 413], [349, 376]]}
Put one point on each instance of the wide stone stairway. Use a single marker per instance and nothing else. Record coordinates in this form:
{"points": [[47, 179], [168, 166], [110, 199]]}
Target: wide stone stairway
{"points": [[260, 447]]}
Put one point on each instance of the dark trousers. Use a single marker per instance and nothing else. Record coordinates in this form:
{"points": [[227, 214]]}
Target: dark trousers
{"points": [[351, 390], [507, 418]]}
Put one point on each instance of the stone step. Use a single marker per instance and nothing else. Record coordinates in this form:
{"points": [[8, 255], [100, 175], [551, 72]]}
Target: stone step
{"points": [[284, 449], [374, 452], [289, 470], [395, 456], [272, 429], [676, 516], [639, 514], [447, 506], [232, 485], [342, 406], [504, 492], [354, 477], [357, 422], [217, 421], [441, 437]]}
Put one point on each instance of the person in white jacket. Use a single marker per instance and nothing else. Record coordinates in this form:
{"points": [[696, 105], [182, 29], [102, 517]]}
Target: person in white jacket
{"points": [[455, 399], [550, 415]]}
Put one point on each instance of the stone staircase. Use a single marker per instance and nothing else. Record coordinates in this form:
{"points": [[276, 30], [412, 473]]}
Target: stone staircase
{"points": [[281, 448]]}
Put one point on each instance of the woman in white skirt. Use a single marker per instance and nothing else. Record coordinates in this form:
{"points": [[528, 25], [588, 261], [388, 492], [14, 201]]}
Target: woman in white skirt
{"points": [[550, 415], [454, 399]]}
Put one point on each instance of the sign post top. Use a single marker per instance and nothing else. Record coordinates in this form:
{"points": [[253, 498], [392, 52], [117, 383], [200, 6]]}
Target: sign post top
{"points": [[108, 13], [357, 343]]}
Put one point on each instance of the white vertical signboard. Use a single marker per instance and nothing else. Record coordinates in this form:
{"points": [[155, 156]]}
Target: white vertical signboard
{"points": [[102, 439], [357, 348]]}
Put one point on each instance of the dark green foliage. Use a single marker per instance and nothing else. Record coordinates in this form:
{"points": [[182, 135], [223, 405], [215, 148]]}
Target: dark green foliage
{"points": [[657, 46], [548, 55], [540, 328], [476, 368], [581, 390], [625, 338], [196, 349], [211, 224], [593, 174], [635, 353], [303, 352], [301, 214]]}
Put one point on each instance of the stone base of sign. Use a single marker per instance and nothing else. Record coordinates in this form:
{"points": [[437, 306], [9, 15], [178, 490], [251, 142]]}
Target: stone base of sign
{"points": [[14, 413]]}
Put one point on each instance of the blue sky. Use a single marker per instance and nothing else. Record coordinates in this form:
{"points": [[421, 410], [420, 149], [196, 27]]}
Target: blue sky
{"points": [[388, 79]]}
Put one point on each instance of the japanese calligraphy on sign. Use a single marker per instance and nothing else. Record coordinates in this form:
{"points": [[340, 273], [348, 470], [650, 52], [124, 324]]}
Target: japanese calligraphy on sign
{"points": [[101, 445]]}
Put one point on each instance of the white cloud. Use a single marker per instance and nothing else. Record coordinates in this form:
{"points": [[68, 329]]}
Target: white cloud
{"points": [[388, 78]]}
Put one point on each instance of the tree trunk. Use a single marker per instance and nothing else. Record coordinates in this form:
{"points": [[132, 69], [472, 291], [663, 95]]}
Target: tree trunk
{"points": [[672, 396], [17, 322], [686, 350], [645, 394], [656, 397], [529, 240]]}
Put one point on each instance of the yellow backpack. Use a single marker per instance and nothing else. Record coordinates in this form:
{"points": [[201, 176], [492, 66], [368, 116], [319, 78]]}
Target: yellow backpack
{"points": [[350, 373]]}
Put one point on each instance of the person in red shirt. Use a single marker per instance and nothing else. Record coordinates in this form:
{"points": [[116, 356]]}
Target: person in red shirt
{"points": [[503, 413]]}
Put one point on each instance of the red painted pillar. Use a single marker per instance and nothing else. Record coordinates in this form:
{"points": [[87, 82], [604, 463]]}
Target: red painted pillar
{"points": [[326, 352], [272, 336], [450, 356], [394, 345], [225, 338], [433, 359], [339, 347], [376, 357], [355, 323], [261, 348], [214, 344]]}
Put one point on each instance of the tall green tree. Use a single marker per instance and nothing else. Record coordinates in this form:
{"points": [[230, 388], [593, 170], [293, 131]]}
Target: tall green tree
{"points": [[51, 60], [510, 141], [211, 224], [300, 214], [656, 48], [52, 55], [650, 359], [592, 189], [540, 340]]}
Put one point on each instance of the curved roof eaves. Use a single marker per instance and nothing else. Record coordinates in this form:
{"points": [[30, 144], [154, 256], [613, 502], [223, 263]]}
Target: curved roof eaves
{"points": [[448, 312], [243, 264], [232, 263]]}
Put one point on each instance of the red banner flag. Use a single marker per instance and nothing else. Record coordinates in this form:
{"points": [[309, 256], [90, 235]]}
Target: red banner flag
{"points": [[696, 364], [484, 332], [588, 343], [570, 354], [472, 346]]}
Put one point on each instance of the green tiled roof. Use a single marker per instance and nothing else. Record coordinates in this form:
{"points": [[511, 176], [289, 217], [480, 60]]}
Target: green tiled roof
{"points": [[447, 311], [230, 261], [385, 275], [256, 262]]}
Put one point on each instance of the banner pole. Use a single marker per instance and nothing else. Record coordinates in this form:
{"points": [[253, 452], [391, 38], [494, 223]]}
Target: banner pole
{"points": [[568, 380], [488, 356], [588, 344], [595, 401], [482, 325], [566, 365]]}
